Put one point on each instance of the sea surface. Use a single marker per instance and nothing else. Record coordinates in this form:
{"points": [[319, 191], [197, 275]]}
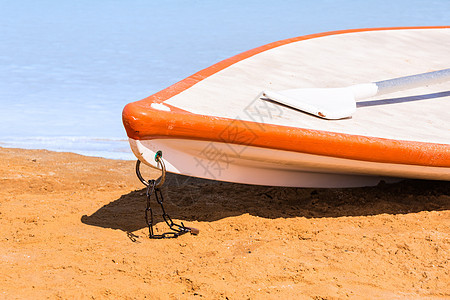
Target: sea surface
{"points": [[67, 68]]}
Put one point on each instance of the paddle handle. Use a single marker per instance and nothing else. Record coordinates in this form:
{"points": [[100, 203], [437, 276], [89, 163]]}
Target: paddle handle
{"points": [[413, 81]]}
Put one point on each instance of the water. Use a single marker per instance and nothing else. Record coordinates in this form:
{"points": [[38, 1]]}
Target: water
{"points": [[67, 68]]}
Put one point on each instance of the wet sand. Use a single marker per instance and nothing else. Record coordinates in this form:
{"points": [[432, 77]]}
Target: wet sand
{"points": [[73, 227]]}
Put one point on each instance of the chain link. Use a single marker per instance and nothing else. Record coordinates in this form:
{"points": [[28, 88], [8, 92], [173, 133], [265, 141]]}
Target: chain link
{"points": [[153, 188], [177, 229]]}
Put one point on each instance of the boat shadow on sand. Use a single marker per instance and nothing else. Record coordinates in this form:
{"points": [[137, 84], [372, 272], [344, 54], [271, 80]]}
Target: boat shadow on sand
{"points": [[188, 199]]}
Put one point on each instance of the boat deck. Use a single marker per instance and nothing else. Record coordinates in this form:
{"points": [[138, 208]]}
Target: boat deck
{"points": [[341, 60]]}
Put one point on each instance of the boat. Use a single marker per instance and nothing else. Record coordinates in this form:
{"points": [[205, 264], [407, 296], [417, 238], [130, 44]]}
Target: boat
{"points": [[216, 125]]}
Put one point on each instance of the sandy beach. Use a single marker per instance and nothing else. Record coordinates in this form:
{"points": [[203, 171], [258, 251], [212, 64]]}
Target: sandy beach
{"points": [[73, 227]]}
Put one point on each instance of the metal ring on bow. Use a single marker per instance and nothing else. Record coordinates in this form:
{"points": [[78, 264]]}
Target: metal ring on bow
{"points": [[159, 160]]}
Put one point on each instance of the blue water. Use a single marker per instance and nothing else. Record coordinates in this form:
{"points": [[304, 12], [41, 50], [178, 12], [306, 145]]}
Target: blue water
{"points": [[67, 68]]}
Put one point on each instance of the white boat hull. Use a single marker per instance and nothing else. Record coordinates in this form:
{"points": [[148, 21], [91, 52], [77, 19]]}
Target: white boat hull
{"points": [[214, 124], [261, 166]]}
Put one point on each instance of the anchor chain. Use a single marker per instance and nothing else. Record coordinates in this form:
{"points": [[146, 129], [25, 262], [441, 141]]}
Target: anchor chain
{"points": [[153, 188]]}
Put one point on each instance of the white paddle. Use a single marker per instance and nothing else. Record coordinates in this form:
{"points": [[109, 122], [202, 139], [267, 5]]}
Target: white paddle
{"points": [[339, 103]]}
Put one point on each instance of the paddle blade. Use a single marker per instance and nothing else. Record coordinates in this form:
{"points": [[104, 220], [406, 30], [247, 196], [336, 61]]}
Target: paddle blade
{"points": [[326, 103]]}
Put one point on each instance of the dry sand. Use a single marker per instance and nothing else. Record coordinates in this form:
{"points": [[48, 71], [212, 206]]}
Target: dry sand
{"points": [[73, 227]]}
